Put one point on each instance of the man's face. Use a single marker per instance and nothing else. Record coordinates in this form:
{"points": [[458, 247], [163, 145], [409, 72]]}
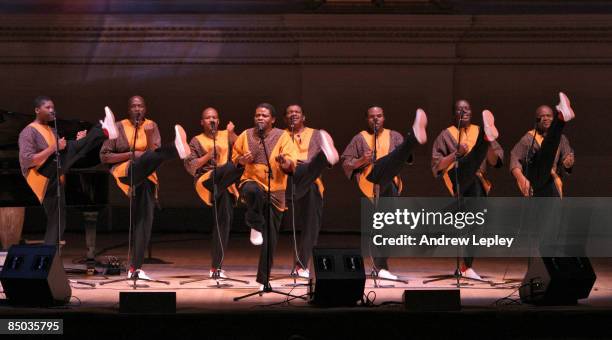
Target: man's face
{"points": [[463, 113], [376, 116], [544, 115], [44, 111], [264, 118], [294, 116], [137, 109], [209, 116]]}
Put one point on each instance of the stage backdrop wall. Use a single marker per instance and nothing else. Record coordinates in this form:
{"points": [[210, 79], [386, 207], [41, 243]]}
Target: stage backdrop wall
{"points": [[335, 66]]}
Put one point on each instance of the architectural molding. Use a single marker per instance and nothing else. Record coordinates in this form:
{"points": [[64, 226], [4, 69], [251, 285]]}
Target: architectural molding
{"points": [[305, 39]]}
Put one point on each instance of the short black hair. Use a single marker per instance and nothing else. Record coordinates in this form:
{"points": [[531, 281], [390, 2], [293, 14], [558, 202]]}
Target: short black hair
{"points": [[371, 107], [208, 108], [454, 106], [537, 111], [40, 100], [290, 105], [136, 97], [269, 107]]}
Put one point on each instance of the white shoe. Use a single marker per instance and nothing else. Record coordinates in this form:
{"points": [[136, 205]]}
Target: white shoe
{"points": [[305, 273], [108, 123], [489, 126], [221, 274], [327, 146], [565, 108], [470, 274], [385, 274], [129, 274], [419, 125], [143, 276], [256, 237], [180, 142]]}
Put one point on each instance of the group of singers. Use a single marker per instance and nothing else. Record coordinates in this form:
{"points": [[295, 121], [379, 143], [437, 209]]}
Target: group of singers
{"points": [[286, 166]]}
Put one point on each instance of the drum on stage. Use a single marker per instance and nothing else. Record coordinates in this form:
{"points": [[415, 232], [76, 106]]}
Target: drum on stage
{"points": [[11, 225]]}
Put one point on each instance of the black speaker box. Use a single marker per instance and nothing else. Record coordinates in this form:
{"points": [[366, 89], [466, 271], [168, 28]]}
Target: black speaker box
{"points": [[557, 280], [339, 277], [147, 302], [425, 300], [34, 276]]}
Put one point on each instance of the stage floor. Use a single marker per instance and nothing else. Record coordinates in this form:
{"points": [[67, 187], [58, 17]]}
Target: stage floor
{"points": [[188, 257]]}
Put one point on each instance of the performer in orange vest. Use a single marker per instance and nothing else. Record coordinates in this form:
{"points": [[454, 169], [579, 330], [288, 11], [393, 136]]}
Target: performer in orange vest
{"points": [[542, 157], [37, 158], [201, 165], [380, 177], [477, 147], [316, 152], [149, 155], [249, 153]]}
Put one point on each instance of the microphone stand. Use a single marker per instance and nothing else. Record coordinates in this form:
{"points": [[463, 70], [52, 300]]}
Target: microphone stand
{"points": [[132, 192], [526, 163], [267, 288], [457, 275], [374, 272], [217, 273], [527, 156], [293, 275], [58, 187], [376, 193]]}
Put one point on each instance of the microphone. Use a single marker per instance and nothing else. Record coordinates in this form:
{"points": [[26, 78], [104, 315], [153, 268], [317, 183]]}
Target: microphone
{"points": [[260, 129], [538, 120], [213, 126], [375, 125], [292, 120], [461, 114]]}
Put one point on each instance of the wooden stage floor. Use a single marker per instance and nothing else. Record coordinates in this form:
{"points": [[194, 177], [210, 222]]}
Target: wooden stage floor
{"points": [[188, 257]]}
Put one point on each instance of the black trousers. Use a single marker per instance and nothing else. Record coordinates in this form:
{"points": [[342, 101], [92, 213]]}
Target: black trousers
{"points": [[143, 214], [307, 208], [258, 208], [224, 176], [144, 198], [383, 172], [464, 174], [55, 209], [469, 184], [54, 205], [538, 169]]}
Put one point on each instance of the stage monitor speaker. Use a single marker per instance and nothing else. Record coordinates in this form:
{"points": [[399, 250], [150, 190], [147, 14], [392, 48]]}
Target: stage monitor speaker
{"points": [[147, 302], [427, 300], [34, 276], [557, 280], [339, 277]]}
